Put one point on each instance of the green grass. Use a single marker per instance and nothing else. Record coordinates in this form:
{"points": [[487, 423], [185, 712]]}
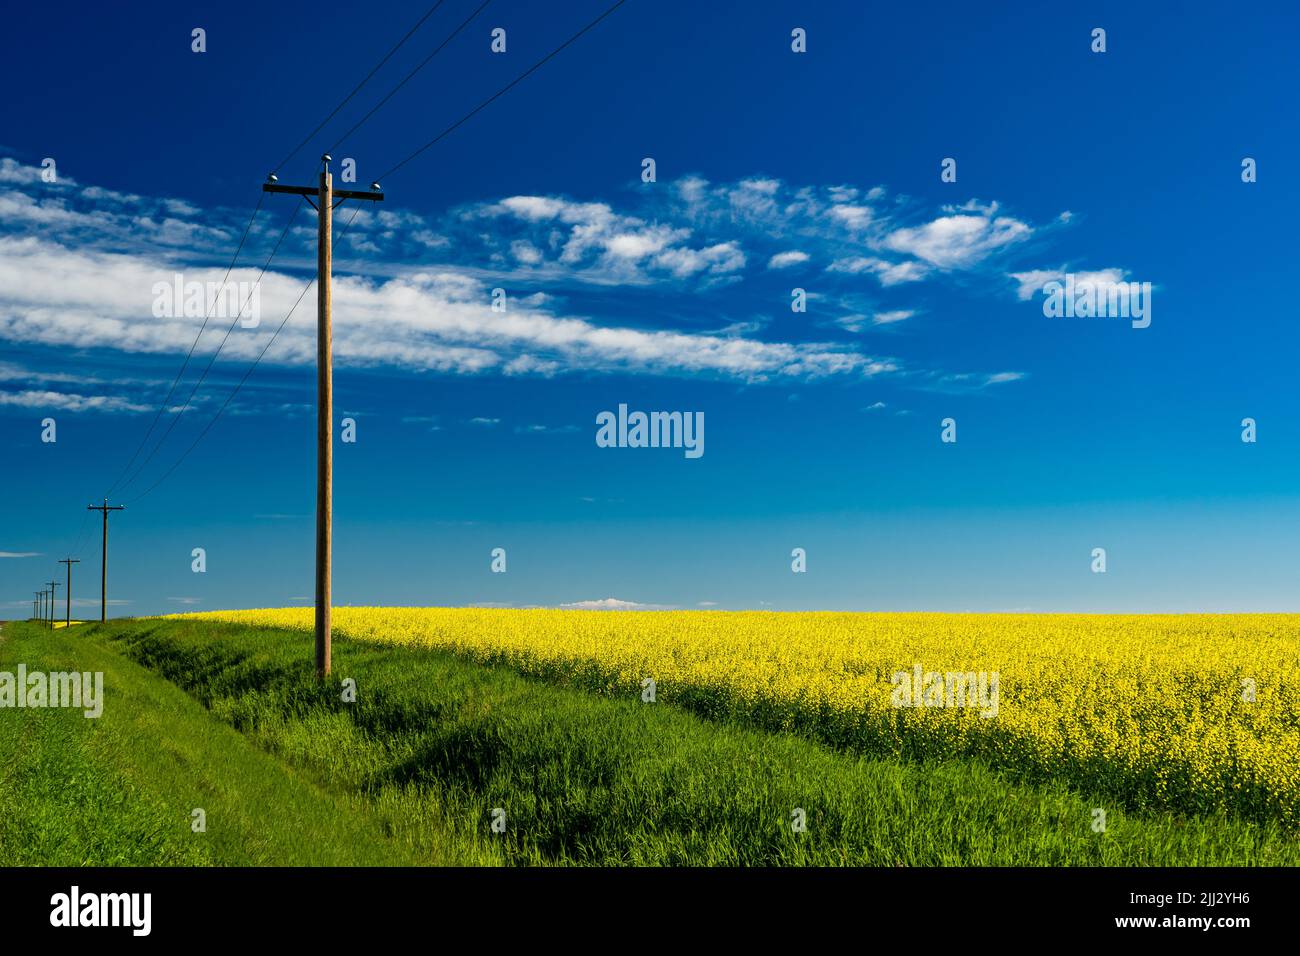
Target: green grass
{"points": [[412, 771], [120, 789]]}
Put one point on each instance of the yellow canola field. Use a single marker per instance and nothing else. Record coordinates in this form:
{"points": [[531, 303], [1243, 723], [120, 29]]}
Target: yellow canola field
{"points": [[1194, 713]]}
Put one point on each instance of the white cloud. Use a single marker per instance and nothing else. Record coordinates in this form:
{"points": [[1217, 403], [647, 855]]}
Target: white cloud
{"points": [[604, 244], [439, 321], [68, 402], [526, 252], [718, 259], [783, 260], [1031, 283], [958, 241], [614, 604], [854, 217], [546, 429], [889, 273], [855, 322], [77, 266], [971, 381]]}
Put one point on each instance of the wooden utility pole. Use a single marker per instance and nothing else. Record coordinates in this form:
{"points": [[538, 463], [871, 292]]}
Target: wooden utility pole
{"points": [[40, 597], [105, 508], [53, 586], [326, 199], [67, 592]]}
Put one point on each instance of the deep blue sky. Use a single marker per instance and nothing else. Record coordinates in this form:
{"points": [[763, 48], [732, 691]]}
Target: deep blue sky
{"points": [[1072, 433]]}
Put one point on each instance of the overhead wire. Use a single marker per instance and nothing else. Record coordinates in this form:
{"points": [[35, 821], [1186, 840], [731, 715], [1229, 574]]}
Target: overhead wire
{"points": [[441, 135], [240, 385], [212, 360], [357, 89], [505, 89], [425, 62], [193, 345]]}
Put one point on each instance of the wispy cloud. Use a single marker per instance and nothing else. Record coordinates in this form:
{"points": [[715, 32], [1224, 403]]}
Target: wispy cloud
{"points": [[546, 429], [615, 604], [1030, 283], [783, 260], [889, 273], [70, 402], [78, 264], [961, 239], [969, 382], [855, 322]]}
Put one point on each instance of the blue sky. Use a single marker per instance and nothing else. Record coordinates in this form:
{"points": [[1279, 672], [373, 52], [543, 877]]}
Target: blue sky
{"points": [[775, 171]]}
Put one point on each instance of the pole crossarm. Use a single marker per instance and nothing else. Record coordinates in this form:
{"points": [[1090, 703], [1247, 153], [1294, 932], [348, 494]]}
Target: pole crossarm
{"points": [[313, 192]]}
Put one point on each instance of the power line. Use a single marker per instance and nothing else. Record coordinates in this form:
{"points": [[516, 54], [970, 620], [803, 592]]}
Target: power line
{"points": [[505, 89], [193, 345], [176, 464], [411, 32], [193, 391], [477, 109], [357, 89], [408, 76], [261, 197], [81, 531]]}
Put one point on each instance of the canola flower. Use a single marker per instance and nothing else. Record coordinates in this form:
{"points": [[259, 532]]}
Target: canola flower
{"points": [[1194, 713]]}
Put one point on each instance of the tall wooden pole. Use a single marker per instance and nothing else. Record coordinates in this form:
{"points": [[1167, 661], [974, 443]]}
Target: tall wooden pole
{"points": [[324, 420], [325, 198], [53, 586], [40, 598], [103, 568], [105, 508], [67, 593]]}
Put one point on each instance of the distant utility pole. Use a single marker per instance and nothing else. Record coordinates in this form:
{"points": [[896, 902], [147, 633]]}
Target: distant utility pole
{"points": [[325, 202], [105, 508], [39, 599], [67, 593], [53, 585]]}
